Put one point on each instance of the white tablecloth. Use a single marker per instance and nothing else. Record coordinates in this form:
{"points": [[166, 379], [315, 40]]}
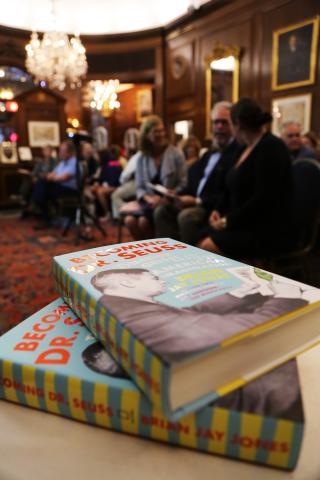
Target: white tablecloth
{"points": [[40, 446]]}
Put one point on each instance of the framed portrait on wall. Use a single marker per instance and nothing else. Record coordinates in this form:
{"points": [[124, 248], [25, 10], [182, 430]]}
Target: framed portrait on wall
{"points": [[144, 103], [8, 153], [294, 55], [43, 133], [25, 154], [295, 108]]}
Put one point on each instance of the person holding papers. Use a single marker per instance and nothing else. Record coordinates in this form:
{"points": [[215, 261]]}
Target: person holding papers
{"points": [[183, 218], [158, 163]]}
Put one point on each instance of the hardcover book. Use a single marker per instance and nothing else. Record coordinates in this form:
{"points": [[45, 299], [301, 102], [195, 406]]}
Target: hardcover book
{"points": [[187, 325], [51, 362]]}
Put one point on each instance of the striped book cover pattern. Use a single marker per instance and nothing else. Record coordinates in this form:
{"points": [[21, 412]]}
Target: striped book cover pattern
{"points": [[51, 362], [194, 281]]}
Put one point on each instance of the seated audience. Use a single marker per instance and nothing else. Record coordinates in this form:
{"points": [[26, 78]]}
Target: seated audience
{"points": [[107, 179], [158, 163], [205, 186], [43, 165], [191, 149], [259, 187], [61, 182], [291, 135]]}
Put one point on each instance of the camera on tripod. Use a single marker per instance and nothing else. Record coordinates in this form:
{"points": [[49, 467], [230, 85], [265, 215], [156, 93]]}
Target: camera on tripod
{"points": [[82, 215]]}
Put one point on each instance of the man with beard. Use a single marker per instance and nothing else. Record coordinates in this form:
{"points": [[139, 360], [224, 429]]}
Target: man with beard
{"points": [[183, 218]]}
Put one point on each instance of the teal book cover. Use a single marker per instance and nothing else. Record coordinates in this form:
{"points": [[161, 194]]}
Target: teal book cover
{"points": [[52, 362], [187, 325]]}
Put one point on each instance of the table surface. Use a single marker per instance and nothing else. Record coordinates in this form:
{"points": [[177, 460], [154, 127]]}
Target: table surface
{"points": [[38, 445]]}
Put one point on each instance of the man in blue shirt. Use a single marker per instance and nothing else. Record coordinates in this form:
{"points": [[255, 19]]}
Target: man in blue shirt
{"points": [[61, 182], [205, 185]]}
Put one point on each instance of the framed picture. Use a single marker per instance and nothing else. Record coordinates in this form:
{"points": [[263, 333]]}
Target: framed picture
{"points": [[25, 154], [8, 152], [144, 103], [222, 76], [294, 55], [296, 108], [43, 133]]}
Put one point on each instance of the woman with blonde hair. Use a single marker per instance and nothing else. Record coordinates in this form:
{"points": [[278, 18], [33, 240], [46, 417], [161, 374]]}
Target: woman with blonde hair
{"points": [[158, 163]]}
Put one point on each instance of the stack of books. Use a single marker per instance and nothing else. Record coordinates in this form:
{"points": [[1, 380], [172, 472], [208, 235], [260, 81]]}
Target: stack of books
{"points": [[166, 341]]}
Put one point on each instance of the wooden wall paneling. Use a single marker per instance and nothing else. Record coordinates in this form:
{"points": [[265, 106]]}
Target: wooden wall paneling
{"points": [[132, 76], [122, 42], [39, 105], [12, 47], [238, 35], [126, 117], [181, 71], [123, 118], [160, 86], [256, 41], [199, 104], [246, 23], [230, 25], [143, 45], [73, 107], [108, 63], [277, 15], [179, 108], [182, 94]]}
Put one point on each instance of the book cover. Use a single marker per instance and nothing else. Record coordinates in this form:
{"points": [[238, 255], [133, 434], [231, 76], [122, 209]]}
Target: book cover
{"points": [[165, 309], [51, 362]]}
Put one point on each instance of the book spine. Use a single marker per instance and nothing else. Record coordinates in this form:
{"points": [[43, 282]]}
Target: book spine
{"points": [[149, 373], [250, 437]]}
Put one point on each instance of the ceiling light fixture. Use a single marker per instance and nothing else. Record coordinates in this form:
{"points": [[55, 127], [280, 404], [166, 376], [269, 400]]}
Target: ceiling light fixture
{"points": [[55, 59], [104, 96]]}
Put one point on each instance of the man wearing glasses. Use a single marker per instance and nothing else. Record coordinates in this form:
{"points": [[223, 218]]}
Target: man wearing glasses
{"points": [[204, 191]]}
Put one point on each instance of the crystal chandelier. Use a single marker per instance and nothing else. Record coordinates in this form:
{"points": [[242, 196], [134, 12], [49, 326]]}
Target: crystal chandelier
{"points": [[55, 59], [104, 96]]}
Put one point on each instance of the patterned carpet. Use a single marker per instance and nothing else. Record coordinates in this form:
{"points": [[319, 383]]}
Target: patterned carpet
{"points": [[26, 284]]}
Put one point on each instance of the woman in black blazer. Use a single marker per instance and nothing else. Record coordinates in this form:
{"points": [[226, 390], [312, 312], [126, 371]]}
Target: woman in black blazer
{"points": [[258, 191]]}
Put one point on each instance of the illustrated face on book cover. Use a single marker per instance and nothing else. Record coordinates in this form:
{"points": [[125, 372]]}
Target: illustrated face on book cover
{"points": [[97, 359], [128, 293], [140, 284], [276, 394]]}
